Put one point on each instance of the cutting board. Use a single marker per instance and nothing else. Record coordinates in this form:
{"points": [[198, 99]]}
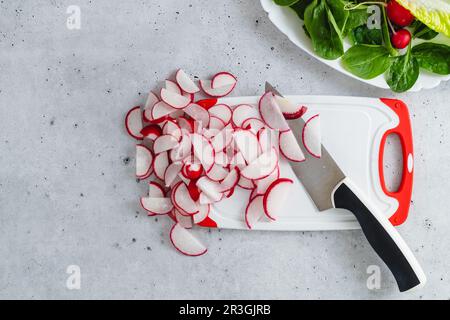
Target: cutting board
{"points": [[354, 131]]}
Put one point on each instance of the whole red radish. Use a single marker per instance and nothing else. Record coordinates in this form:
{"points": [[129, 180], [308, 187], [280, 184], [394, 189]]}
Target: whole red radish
{"points": [[398, 14], [401, 39]]}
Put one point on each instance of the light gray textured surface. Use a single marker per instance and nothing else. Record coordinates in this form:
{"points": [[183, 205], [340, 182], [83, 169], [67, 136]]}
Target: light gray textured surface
{"points": [[67, 192]]}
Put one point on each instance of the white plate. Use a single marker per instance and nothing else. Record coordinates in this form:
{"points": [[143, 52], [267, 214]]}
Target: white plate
{"points": [[287, 21]]}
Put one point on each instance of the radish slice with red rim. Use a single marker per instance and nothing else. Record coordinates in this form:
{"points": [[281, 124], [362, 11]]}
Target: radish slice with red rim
{"points": [[210, 188], [311, 136], [219, 92], [152, 99], [194, 192], [289, 110], [216, 123], [238, 161], [254, 211], [186, 124], [223, 79], [203, 150], [243, 112], [184, 221], [161, 110], [182, 200], [221, 111], [172, 172], [204, 199], [261, 167], [173, 87], [275, 197], [203, 212], [174, 100], [157, 206], [151, 132], [207, 103], [271, 113], [144, 161], [192, 171], [253, 124], [164, 143], [231, 180], [217, 173], [185, 82], [222, 139], [160, 165], [247, 143], [133, 123], [185, 242], [289, 147], [183, 150], [263, 184], [155, 190], [172, 128], [245, 183], [199, 114]]}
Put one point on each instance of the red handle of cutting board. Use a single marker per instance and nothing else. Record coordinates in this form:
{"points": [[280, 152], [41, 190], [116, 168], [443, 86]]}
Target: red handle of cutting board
{"points": [[404, 132]]}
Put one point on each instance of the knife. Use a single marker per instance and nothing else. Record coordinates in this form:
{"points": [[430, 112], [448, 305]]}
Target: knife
{"points": [[329, 187]]}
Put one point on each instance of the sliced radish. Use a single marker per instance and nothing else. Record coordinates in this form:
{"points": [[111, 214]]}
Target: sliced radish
{"points": [[155, 190], [192, 171], [194, 192], [133, 123], [254, 211], [245, 183], [152, 99], [289, 147], [182, 200], [223, 139], [183, 150], [172, 172], [185, 242], [160, 165], [216, 92], [157, 206], [247, 143], [231, 180], [186, 124], [253, 124], [144, 161], [161, 110], [223, 79], [217, 173], [289, 110], [172, 128], [203, 150], [209, 133], [275, 197], [164, 143], [271, 113], [267, 139], [207, 103], [210, 188], [221, 111], [238, 161], [151, 132], [202, 214], [263, 184], [311, 136], [243, 112], [173, 87], [174, 100], [261, 167], [185, 82], [216, 123], [184, 221], [204, 199], [199, 114]]}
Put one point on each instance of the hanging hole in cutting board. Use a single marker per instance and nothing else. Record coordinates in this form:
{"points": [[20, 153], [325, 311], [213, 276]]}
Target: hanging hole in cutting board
{"points": [[393, 162]]}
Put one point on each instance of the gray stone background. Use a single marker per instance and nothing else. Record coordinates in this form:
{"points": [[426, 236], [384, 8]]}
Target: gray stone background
{"points": [[67, 191]]}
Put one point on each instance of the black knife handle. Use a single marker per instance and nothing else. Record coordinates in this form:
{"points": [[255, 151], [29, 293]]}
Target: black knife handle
{"points": [[382, 236]]}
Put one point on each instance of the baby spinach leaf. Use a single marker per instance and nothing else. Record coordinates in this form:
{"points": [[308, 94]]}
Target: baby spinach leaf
{"points": [[300, 7], [364, 35], [339, 13], [422, 31], [403, 72], [285, 3], [433, 57], [357, 17], [325, 34], [366, 61]]}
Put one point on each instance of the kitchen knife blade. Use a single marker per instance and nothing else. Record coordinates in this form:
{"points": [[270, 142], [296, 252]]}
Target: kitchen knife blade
{"points": [[329, 187]]}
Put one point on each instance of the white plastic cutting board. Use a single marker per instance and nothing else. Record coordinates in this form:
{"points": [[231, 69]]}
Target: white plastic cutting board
{"points": [[352, 130]]}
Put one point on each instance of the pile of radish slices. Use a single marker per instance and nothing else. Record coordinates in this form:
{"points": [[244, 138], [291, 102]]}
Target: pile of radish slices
{"points": [[198, 150]]}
